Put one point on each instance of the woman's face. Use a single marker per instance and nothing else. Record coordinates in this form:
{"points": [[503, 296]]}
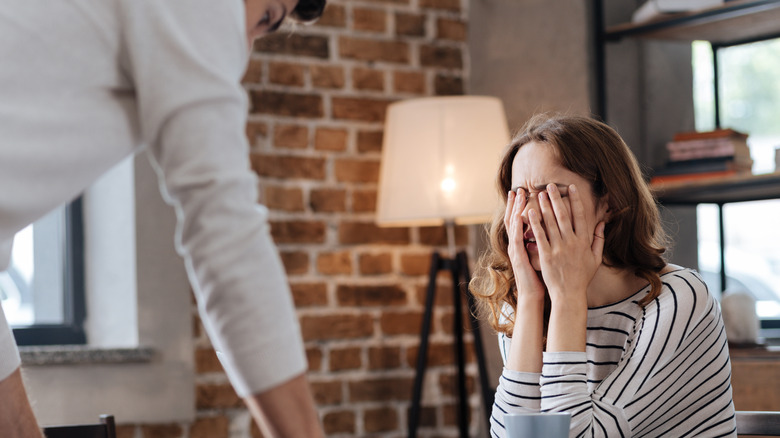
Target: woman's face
{"points": [[265, 16], [533, 168]]}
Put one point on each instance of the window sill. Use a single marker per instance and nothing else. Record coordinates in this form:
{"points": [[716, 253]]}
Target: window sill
{"points": [[84, 355]]}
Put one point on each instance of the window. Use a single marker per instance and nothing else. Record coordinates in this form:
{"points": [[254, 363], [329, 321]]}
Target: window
{"points": [[748, 81], [43, 289]]}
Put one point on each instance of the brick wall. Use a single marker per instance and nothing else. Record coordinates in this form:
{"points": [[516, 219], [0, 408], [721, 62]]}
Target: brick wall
{"points": [[318, 99]]}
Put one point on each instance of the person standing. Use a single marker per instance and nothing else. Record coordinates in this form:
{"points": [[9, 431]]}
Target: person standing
{"points": [[85, 84]]}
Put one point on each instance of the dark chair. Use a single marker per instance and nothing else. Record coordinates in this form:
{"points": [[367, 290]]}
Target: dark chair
{"points": [[758, 423], [104, 429]]}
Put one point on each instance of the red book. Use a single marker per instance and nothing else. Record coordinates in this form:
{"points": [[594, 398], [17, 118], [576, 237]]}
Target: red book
{"points": [[718, 133]]}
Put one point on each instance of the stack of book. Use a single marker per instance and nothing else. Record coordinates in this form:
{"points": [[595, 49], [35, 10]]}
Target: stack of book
{"points": [[701, 155]]}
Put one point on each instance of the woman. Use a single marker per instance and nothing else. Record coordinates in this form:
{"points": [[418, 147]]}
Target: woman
{"points": [[591, 319]]}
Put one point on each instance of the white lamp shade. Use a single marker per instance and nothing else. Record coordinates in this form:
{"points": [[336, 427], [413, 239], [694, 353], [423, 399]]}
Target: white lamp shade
{"points": [[440, 159]]}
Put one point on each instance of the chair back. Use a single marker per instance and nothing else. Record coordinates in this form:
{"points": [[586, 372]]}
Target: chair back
{"points": [[104, 429], [758, 423]]}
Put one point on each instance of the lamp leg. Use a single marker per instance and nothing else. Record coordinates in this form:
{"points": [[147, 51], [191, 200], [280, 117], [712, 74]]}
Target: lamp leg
{"points": [[460, 359], [422, 353], [486, 389]]}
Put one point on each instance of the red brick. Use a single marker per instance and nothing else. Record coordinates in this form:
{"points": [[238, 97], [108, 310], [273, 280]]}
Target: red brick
{"points": [[328, 200], [375, 264], [383, 358], [370, 295], [369, 141], [286, 104], [206, 361], [309, 294], [339, 422], [381, 389], [255, 130], [297, 44], [345, 359], [298, 231], [332, 16], [439, 354], [330, 139], [357, 171], [447, 29], [324, 76], [448, 384], [442, 295], [341, 326], [161, 431], [283, 198], [380, 420], [368, 79], [360, 109], [253, 73], [412, 82], [445, 85], [353, 233], [282, 166], [415, 264], [291, 136], [216, 396], [450, 415], [409, 24], [401, 323], [210, 427], [369, 20], [285, 73], [327, 393], [437, 236], [364, 200], [296, 262], [363, 49], [438, 56], [334, 263], [450, 5], [314, 357]]}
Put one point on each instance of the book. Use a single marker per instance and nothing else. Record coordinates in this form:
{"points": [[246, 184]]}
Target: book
{"points": [[718, 133], [663, 179]]}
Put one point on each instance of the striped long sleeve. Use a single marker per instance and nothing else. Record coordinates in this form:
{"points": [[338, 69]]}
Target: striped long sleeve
{"points": [[661, 370]]}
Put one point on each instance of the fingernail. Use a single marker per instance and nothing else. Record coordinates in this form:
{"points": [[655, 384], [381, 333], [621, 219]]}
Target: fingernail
{"points": [[573, 188], [551, 188]]}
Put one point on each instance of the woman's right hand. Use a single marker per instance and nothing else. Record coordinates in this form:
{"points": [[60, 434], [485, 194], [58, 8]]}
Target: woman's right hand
{"points": [[529, 285]]}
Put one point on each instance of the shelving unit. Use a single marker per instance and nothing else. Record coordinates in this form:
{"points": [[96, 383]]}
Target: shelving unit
{"points": [[735, 22], [732, 23]]}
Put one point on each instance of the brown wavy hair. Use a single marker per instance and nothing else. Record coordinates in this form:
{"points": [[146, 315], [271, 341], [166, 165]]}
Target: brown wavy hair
{"points": [[634, 238]]}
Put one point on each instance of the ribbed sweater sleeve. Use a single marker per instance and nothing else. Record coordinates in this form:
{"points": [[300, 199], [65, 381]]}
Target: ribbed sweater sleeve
{"points": [[186, 59]]}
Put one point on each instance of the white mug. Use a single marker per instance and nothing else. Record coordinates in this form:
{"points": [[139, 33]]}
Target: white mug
{"points": [[538, 425]]}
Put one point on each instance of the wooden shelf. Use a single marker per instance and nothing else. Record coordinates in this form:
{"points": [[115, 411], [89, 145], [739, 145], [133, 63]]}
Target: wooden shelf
{"points": [[720, 190], [734, 22]]}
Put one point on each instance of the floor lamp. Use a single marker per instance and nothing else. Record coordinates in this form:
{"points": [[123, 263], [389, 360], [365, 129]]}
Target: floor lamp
{"points": [[440, 157]]}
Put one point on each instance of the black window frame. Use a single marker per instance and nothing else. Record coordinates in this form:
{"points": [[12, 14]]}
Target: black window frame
{"points": [[71, 330]]}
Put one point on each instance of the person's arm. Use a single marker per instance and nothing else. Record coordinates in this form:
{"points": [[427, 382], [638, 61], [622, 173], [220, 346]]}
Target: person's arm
{"points": [[286, 410], [16, 416], [186, 59]]}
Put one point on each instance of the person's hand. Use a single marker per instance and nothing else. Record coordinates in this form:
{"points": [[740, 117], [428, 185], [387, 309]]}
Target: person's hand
{"points": [[569, 253], [528, 283]]}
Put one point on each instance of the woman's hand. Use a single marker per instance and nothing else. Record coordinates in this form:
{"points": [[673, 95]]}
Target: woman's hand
{"points": [[569, 253], [528, 283]]}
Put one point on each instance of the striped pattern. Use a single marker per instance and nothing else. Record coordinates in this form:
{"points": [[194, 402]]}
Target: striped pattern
{"points": [[659, 371]]}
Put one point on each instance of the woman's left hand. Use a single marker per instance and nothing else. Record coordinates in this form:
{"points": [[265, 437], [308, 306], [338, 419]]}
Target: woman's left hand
{"points": [[569, 252]]}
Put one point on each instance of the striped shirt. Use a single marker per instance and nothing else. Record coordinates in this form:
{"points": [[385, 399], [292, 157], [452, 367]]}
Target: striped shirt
{"points": [[661, 370]]}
